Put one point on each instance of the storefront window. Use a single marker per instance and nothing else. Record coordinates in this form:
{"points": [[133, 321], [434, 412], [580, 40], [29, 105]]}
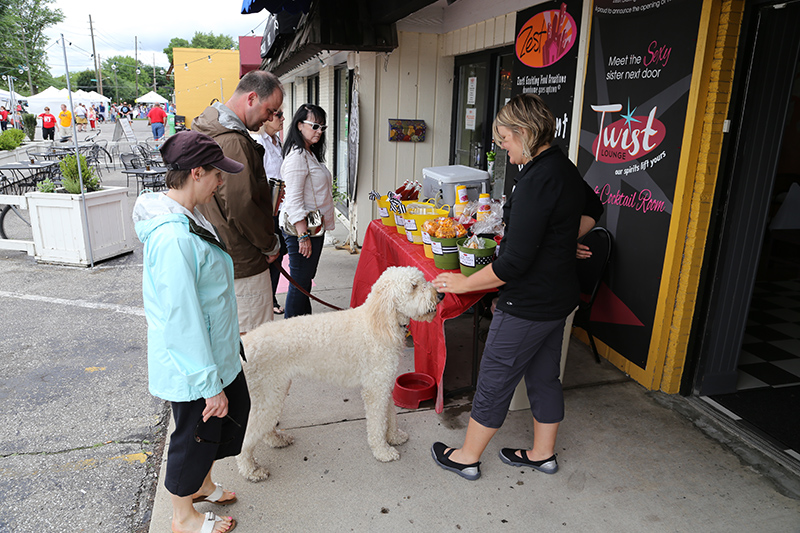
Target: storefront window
{"points": [[312, 86], [341, 122]]}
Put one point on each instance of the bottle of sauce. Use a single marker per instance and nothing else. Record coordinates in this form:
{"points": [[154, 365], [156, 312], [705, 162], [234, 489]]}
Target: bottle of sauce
{"points": [[461, 200], [402, 188], [484, 206]]}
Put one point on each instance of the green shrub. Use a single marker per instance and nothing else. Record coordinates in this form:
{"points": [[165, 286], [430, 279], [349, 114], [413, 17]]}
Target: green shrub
{"points": [[11, 138], [46, 185], [70, 179], [29, 124]]}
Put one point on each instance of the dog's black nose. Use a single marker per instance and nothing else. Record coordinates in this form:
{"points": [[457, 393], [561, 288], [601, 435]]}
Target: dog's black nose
{"points": [[440, 295]]}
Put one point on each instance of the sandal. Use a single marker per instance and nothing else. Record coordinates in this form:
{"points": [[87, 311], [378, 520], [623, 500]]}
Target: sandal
{"points": [[211, 521], [442, 458], [509, 456], [277, 309], [215, 496]]}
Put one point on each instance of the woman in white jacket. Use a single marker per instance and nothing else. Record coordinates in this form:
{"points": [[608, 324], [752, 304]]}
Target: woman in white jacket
{"points": [[308, 188]]}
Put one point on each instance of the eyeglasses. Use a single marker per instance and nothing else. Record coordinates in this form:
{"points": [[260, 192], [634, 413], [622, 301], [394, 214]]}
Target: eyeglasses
{"points": [[198, 438], [315, 126], [278, 114]]}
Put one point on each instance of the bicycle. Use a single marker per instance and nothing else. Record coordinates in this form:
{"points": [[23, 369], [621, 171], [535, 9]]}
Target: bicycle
{"points": [[15, 222]]}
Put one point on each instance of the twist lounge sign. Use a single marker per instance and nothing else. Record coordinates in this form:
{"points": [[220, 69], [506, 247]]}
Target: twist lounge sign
{"points": [[636, 94], [630, 137]]}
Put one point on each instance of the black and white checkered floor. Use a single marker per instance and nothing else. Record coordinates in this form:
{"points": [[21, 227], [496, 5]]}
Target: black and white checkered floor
{"points": [[771, 347], [769, 367]]}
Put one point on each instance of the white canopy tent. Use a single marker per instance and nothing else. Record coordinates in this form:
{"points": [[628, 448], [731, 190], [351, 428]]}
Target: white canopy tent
{"points": [[53, 98], [151, 98], [5, 98]]}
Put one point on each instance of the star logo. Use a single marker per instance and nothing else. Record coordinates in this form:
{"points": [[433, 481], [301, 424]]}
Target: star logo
{"points": [[629, 117]]}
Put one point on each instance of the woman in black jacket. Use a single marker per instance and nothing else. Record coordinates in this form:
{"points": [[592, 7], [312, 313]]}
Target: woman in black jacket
{"points": [[538, 288]]}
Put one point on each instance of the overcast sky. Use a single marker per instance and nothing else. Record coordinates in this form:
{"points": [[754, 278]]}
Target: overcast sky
{"points": [[155, 23]]}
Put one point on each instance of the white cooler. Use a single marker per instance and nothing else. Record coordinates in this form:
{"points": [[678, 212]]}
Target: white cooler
{"points": [[445, 179]]}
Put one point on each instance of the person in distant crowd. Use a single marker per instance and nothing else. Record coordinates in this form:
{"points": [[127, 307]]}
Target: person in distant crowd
{"points": [[3, 118], [242, 211], [124, 110], [64, 122], [171, 108], [91, 114], [81, 117], [48, 124], [269, 138], [20, 110], [157, 119], [101, 113], [112, 112]]}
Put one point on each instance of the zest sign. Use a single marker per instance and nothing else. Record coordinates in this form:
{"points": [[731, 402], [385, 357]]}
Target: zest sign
{"points": [[546, 37], [630, 137]]}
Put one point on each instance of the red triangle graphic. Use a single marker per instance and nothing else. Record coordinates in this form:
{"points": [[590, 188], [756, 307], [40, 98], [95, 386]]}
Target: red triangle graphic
{"points": [[609, 308]]}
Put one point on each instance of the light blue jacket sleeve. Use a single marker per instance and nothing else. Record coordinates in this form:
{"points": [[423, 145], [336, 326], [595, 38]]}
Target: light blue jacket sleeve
{"points": [[177, 312]]}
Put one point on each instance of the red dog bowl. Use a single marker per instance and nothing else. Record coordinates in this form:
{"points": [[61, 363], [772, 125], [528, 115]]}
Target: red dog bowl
{"points": [[412, 388]]}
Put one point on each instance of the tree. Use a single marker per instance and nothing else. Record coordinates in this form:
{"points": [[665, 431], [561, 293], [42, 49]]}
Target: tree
{"points": [[22, 25], [119, 83], [209, 40], [176, 42], [202, 40]]}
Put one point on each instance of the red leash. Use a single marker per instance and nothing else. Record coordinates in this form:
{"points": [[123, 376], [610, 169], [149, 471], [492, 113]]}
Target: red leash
{"points": [[301, 289]]}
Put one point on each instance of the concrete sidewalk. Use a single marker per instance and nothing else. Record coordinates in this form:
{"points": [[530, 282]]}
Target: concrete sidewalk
{"points": [[629, 461]]}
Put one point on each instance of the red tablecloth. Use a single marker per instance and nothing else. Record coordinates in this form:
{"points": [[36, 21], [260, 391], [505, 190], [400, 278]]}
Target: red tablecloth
{"points": [[384, 247]]}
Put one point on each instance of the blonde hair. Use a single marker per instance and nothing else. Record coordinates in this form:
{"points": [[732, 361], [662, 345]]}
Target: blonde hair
{"points": [[530, 118]]}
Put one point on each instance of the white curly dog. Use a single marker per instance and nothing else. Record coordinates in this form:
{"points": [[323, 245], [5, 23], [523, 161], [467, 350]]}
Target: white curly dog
{"points": [[358, 347]]}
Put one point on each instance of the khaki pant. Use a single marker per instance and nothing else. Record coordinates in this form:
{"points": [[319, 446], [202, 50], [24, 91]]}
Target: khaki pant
{"points": [[63, 131], [254, 300]]}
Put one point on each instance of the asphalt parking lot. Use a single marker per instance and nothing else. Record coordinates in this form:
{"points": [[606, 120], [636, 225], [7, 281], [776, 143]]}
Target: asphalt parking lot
{"points": [[81, 436]]}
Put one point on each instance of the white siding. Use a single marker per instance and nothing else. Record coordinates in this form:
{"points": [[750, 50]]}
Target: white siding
{"points": [[415, 81]]}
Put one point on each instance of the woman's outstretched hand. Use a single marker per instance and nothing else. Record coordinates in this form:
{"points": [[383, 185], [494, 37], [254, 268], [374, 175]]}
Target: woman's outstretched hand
{"points": [[450, 282]]}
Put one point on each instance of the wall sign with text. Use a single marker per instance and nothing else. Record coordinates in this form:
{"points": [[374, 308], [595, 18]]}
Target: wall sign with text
{"points": [[635, 99], [546, 57]]}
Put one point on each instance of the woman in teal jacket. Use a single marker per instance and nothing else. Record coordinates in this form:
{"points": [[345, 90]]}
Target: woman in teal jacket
{"points": [[192, 327]]}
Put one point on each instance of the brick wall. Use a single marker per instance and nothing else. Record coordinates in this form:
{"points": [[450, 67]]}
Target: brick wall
{"points": [[713, 103]]}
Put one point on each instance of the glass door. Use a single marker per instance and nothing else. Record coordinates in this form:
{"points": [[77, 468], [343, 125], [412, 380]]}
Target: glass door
{"points": [[483, 86], [499, 169], [471, 112]]}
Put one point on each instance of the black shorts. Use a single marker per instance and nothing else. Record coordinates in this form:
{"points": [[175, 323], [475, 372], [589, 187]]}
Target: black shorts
{"points": [[189, 461]]}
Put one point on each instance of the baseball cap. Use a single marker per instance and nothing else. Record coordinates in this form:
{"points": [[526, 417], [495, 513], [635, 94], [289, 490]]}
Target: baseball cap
{"points": [[191, 149]]}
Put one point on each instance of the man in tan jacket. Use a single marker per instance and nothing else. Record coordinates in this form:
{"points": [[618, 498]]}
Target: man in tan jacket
{"points": [[242, 206]]}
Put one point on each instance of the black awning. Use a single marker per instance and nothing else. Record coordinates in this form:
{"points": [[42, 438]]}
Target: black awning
{"points": [[333, 25], [275, 6]]}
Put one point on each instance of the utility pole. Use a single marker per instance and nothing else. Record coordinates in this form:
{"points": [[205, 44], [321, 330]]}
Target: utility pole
{"points": [[136, 48], [154, 73], [27, 62], [94, 58], [116, 83], [100, 76]]}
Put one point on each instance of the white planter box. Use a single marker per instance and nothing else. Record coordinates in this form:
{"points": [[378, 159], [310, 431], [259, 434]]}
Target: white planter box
{"points": [[59, 233]]}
